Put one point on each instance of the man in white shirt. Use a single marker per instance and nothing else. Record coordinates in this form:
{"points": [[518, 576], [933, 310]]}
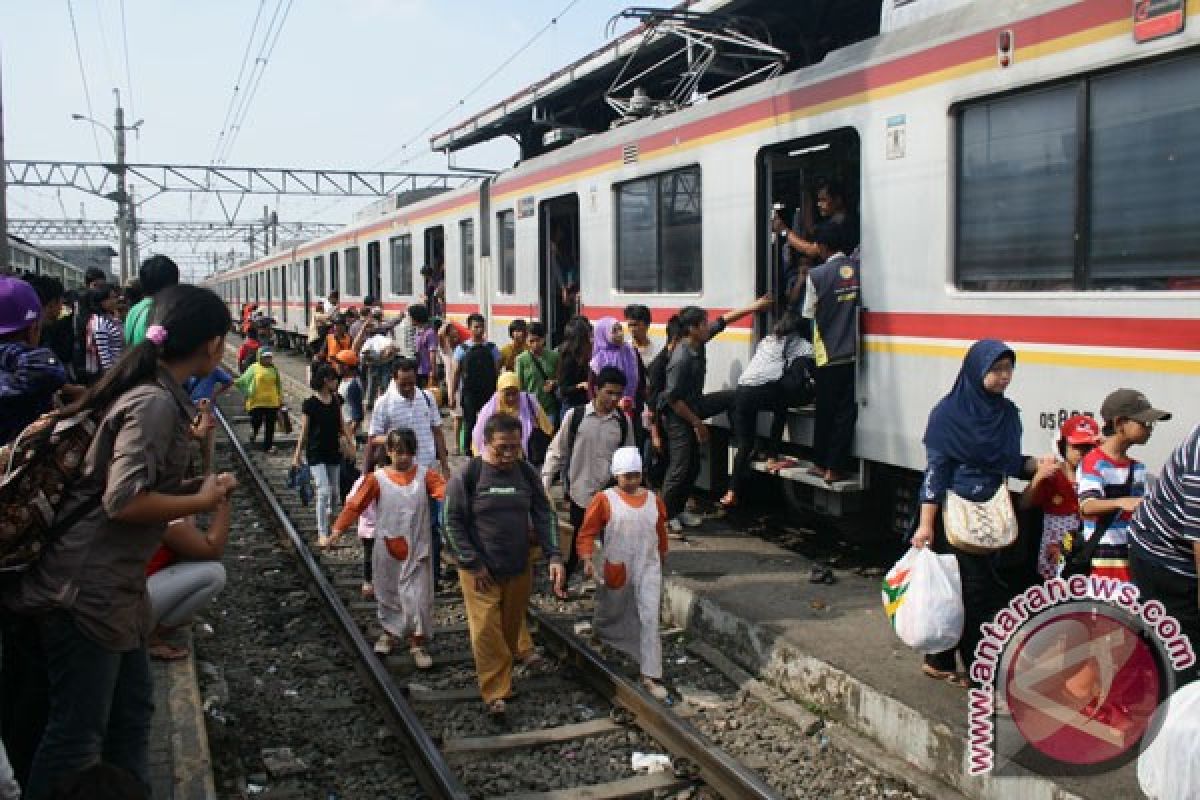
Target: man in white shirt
{"points": [[637, 320]]}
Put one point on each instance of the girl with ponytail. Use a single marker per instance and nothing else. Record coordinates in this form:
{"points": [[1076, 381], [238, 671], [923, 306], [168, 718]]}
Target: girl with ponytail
{"points": [[87, 593]]}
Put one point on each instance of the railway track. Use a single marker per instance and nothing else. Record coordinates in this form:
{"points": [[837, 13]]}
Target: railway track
{"points": [[574, 729], [393, 731]]}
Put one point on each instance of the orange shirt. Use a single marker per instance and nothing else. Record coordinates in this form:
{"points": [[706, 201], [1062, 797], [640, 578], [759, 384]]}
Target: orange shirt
{"points": [[368, 493], [598, 513]]}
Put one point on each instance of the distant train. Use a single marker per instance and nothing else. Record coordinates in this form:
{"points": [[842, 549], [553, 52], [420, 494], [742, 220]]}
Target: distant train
{"points": [[1026, 171], [25, 258]]}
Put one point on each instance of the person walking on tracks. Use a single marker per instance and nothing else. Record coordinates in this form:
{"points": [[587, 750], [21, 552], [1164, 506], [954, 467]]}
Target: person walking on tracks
{"points": [[583, 448], [478, 362], [490, 506], [402, 572], [632, 521]]}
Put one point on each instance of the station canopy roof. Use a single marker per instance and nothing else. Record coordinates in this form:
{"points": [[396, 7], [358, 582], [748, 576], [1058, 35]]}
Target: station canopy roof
{"points": [[698, 49]]}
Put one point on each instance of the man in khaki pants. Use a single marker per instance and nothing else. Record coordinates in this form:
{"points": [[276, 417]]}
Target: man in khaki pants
{"points": [[490, 507]]}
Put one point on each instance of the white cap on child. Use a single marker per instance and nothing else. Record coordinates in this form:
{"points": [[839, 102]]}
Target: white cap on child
{"points": [[626, 460]]}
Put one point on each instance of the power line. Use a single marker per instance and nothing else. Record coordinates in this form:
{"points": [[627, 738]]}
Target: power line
{"points": [[237, 83], [270, 40], [128, 71], [87, 94], [108, 62]]}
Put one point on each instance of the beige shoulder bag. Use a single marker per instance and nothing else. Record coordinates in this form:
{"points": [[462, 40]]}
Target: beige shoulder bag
{"points": [[980, 528]]}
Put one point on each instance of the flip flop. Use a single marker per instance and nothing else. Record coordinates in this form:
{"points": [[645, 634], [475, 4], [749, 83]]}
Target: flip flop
{"points": [[162, 651], [952, 678]]}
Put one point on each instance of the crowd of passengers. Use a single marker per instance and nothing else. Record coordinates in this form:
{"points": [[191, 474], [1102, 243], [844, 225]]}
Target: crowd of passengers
{"points": [[614, 414]]}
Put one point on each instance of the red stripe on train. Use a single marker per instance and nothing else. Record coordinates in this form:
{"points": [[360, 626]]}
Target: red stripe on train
{"points": [[1133, 332]]}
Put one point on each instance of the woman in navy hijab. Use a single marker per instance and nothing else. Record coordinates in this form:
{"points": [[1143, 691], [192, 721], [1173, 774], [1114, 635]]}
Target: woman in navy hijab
{"points": [[972, 445]]}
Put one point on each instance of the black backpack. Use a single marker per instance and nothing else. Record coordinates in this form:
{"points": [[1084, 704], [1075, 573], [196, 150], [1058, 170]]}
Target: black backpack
{"points": [[797, 383], [479, 371]]}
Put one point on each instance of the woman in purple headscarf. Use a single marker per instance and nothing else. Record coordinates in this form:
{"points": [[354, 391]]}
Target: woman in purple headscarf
{"points": [[509, 399], [609, 349]]}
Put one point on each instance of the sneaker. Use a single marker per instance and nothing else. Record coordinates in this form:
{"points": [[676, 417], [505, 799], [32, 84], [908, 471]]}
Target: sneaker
{"points": [[691, 519], [383, 646], [655, 688], [420, 657], [674, 528]]}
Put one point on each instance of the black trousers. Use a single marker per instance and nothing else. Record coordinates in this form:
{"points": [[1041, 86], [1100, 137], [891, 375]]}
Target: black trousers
{"points": [[683, 449], [24, 691], [264, 418], [984, 594], [1178, 595], [471, 407], [836, 415], [747, 402], [577, 512], [368, 549]]}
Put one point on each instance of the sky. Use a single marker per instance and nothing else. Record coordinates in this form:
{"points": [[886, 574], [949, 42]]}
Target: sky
{"points": [[345, 85]]}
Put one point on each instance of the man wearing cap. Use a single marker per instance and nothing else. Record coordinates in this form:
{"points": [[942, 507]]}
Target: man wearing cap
{"points": [[1111, 484], [29, 375], [1164, 541], [351, 390]]}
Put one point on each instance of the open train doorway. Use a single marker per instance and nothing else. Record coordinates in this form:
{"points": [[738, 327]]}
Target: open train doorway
{"points": [[807, 183], [558, 256]]}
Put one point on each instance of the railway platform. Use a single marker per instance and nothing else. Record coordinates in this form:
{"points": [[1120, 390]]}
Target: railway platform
{"points": [[180, 765], [829, 647]]}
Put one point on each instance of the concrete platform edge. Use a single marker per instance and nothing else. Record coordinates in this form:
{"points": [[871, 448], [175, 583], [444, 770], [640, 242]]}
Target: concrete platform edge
{"points": [[191, 760], [903, 732]]}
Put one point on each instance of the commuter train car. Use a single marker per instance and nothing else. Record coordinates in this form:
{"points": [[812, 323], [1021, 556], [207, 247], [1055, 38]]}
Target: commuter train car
{"points": [[27, 258], [1026, 171]]}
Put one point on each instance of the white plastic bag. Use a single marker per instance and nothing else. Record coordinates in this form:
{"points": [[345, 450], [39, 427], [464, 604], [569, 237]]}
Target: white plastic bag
{"points": [[922, 596], [1169, 767]]}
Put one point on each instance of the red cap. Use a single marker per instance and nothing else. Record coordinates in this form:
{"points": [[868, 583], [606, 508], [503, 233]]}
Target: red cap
{"points": [[1081, 429]]}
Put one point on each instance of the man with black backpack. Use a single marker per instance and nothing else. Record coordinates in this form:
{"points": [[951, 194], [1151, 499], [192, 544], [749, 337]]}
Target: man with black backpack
{"points": [[478, 367], [583, 448], [491, 506]]}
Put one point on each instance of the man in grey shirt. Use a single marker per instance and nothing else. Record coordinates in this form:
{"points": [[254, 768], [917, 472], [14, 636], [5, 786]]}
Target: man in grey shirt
{"points": [[583, 447]]}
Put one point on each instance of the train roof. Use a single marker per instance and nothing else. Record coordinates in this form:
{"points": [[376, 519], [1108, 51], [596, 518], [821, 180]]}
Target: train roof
{"points": [[574, 97]]}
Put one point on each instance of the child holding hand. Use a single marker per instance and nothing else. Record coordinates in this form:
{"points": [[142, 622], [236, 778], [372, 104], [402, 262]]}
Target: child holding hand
{"points": [[403, 549], [632, 521]]}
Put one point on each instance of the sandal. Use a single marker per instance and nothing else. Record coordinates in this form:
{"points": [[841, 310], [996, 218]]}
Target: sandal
{"points": [[729, 501], [950, 677], [367, 591], [497, 708]]}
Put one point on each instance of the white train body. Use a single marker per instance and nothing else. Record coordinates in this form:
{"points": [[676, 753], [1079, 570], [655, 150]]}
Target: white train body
{"points": [[898, 100]]}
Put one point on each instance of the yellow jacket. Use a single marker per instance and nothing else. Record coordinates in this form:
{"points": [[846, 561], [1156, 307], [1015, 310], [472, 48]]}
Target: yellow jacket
{"points": [[262, 387]]}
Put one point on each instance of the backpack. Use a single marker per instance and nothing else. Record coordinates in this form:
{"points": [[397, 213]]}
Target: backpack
{"points": [[577, 415], [471, 480], [797, 382], [479, 371], [40, 466]]}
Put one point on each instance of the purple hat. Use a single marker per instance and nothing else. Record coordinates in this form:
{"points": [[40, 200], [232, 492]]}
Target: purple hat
{"points": [[19, 305]]}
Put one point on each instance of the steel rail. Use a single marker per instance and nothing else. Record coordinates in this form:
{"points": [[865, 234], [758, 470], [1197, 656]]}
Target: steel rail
{"points": [[715, 767], [432, 771]]}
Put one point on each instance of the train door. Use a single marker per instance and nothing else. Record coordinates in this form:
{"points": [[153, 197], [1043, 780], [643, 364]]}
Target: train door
{"points": [[334, 283], [283, 292], [558, 262], [374, 272], [797, 179], [268, 278], [307, 280]]}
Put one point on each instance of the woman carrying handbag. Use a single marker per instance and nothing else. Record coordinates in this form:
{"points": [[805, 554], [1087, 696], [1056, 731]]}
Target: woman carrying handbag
{"points": [[973, 446]]}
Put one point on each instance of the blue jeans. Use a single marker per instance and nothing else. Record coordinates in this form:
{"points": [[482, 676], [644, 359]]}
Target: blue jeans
{"points": [[435, 519], [101, 707]]}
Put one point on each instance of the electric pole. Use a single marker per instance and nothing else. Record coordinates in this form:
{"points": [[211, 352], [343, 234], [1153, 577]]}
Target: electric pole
{"points": [[122, 194]]}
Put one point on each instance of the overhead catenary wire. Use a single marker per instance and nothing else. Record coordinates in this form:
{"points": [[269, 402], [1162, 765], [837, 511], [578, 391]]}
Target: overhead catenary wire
{"points": [[87, 94], [128, 71], [237, 83], [270, 40]]}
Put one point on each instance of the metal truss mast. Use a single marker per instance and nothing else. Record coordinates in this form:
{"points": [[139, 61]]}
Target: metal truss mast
{"points": [[86, 230]]}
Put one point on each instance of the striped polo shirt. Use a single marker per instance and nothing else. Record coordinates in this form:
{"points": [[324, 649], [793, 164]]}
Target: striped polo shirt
{"points": [[1167, 523], [1102, 477]]}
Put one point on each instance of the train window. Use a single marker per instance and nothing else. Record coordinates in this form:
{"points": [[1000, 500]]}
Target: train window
{"points": [[333, 272], [318, 274], [659, 233], [402, 277], [1016, 192], [1086, 185], [466, 238], [1145, 177], [506, 235], [353, 282]]}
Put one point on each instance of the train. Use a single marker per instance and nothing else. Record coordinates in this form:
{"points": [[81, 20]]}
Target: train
{"points": [[1027, 171], [26, 258]]}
